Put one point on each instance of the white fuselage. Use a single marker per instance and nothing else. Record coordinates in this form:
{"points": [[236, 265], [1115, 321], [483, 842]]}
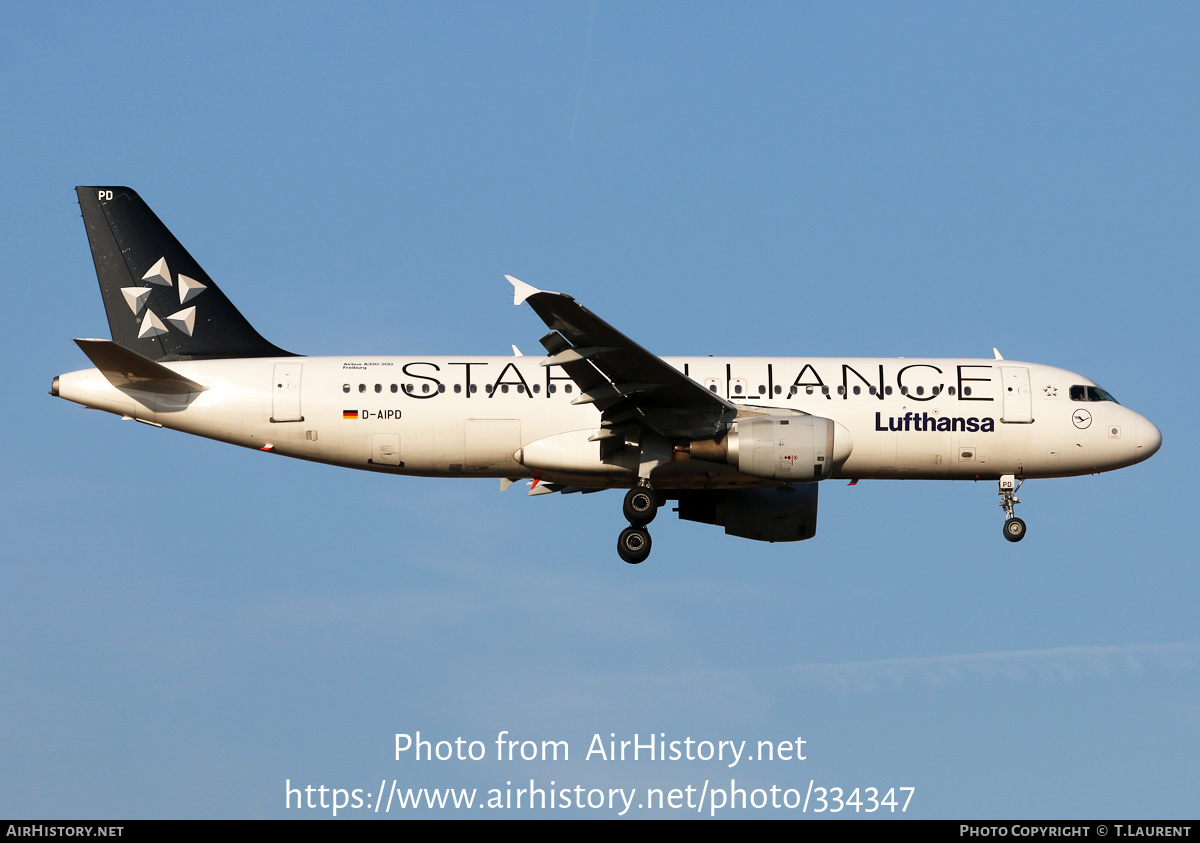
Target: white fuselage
{"points": [[476, 416]]}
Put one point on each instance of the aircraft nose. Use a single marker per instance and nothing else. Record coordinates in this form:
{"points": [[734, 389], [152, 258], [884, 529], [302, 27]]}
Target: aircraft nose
{"points": [[1149, 439]]}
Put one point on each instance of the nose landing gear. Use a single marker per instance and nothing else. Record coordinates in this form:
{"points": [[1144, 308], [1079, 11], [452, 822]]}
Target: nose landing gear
{"points": [[1014, 527], [641, 505]]}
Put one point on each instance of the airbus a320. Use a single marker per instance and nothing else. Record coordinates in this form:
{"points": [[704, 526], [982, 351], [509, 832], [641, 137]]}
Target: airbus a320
{"points": [[742, 443]]}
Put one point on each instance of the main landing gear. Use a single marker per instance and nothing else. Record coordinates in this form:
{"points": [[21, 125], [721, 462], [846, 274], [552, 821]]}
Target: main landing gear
{"points": [[641, 505], [1014, 527]]}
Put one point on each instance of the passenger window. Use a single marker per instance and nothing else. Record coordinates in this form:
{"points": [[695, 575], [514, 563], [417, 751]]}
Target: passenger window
{"points": [[966, 390], [345, 387], [504, 388], [537, 387], [904, 390], [394, 388], [762, 390], [920, 390], [871, 390], [778, 390], [567, 388], [858, 390], [552, 388], [441, 387], [474, 388], [424, 387], [488, 389], [458, 387], [887, 390], [362, 387], [379, 387]]}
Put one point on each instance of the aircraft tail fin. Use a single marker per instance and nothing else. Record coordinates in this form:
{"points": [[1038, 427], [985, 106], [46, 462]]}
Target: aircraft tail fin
{"points": [[160, 302]]}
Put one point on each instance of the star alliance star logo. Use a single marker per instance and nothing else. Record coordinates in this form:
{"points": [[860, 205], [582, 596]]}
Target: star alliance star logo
{"points": [[1051, 391], [152, 325]]}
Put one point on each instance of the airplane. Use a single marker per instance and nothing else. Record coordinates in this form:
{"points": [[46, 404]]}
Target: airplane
{"points": [[741, 443]]}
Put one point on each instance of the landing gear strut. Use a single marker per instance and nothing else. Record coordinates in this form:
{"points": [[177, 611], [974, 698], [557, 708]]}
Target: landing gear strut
{"points": [[641, 505], [1014, 527]]}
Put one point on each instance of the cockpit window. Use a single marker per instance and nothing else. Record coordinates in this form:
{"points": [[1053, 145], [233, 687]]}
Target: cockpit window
{"points": [[1090, 393]]}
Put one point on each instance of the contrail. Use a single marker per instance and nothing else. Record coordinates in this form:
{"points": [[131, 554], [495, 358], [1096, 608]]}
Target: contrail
{"points": [[1053, 664], [587, 52]]}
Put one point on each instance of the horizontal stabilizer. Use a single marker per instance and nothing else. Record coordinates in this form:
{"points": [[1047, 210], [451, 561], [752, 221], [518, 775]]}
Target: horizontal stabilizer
{"points": [[127, 369]]}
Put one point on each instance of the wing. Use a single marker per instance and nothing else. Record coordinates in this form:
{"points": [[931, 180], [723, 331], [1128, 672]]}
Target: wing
{"points": [[635, 391]]}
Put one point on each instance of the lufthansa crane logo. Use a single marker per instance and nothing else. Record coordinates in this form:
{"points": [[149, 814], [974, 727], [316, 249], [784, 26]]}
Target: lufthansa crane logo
{"points": [[1081, 418]]}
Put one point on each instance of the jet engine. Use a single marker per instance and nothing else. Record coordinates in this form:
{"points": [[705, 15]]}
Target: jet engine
{"points": [[795, 449]]}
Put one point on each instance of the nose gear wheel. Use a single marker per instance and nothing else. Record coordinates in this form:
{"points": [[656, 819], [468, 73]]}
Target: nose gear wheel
{"points": [[1014, 527]]}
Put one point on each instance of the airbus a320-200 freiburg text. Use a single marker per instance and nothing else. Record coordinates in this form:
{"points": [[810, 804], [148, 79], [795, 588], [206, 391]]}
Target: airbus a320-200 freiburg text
{"points": [[742, 443]]}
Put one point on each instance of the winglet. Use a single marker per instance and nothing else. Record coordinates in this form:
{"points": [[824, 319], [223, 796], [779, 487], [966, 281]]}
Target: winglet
{"points": [[521, 290], [999, 356]]}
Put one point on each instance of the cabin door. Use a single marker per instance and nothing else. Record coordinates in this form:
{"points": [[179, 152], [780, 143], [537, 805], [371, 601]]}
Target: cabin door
{"points": [[285, 393], [1018, 401]]}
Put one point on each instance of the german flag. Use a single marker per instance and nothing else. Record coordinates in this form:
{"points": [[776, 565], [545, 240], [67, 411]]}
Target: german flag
{"points": [[349, 414]]}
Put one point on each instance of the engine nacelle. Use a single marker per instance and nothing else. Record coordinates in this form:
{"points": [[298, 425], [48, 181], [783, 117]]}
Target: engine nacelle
{"points": [[793, 449], [774, 514]]}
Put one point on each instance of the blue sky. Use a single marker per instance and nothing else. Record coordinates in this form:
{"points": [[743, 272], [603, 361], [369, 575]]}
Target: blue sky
{"points": [[186, 625]]}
